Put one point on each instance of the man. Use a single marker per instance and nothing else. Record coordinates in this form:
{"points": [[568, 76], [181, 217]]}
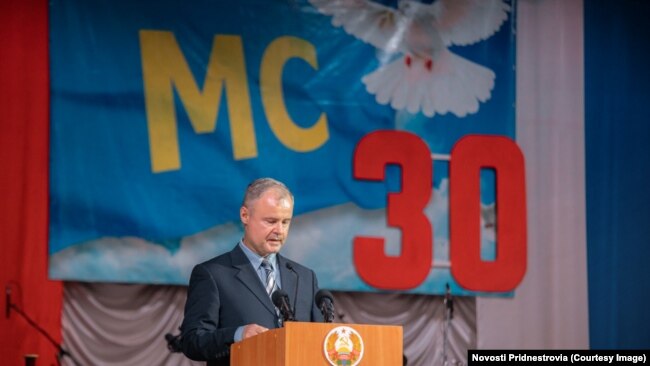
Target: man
{"points": [[229, 296]]}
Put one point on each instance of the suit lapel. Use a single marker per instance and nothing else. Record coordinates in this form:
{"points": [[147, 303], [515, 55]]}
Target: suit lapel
{"points": [[248, 277]]}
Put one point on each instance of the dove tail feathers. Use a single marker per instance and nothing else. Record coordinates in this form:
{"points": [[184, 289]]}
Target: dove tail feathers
{"points": [[449, 83]]}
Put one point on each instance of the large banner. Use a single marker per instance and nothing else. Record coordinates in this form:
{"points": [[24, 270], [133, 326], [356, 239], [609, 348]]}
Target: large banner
{"points": [[391, 122]]}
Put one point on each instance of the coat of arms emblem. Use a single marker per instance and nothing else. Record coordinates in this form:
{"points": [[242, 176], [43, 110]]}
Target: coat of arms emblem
{"points": [[343, 346]]}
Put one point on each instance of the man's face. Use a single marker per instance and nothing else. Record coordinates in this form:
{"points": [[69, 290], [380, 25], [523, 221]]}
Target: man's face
{"points": [[266, 222]]}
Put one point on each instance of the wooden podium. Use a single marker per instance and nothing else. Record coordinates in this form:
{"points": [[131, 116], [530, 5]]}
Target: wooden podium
{"points": [[300, 344]]}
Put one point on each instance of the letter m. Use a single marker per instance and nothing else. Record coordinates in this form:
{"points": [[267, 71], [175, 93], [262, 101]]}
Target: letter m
{"points": [[165, 69]]}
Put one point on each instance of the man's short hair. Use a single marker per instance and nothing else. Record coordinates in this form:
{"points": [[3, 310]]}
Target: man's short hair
{"points": [[257, 187]]}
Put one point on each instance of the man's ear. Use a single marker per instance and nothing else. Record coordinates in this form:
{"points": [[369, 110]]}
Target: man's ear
{"points": [[244, 215]]}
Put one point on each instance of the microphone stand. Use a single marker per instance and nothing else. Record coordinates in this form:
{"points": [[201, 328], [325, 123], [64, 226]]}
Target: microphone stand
{"points": [[62, 352], [449, 314], [174, 342], [295, 292]]}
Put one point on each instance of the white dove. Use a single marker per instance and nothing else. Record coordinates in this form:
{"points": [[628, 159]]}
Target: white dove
{"points": [[427, 76]]}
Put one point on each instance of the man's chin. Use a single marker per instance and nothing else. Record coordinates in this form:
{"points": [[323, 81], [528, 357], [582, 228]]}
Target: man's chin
{"points": [[274, 247]]}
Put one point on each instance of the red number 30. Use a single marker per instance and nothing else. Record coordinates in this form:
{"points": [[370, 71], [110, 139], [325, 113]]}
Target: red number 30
{"points": [[405, 211]]}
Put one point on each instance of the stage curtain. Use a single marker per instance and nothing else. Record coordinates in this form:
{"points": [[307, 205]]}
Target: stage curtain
{"points": [[550, 307], [24, 183], [111, 324]]}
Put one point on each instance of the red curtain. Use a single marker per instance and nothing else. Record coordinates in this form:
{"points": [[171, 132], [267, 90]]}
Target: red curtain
{"points": [[24, 144]]}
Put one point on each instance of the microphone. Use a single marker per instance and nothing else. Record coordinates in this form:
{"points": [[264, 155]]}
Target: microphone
{"points": [[173, 343], [7, 301], [449, 302], [295, 292], [281, 301], [325, 302]]}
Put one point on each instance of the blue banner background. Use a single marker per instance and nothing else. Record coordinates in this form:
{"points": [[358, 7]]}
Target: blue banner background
{"points": [[106, 203]]}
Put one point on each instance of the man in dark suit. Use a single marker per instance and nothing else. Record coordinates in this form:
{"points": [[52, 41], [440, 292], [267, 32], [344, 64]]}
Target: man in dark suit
{"points": [[229, 296]]}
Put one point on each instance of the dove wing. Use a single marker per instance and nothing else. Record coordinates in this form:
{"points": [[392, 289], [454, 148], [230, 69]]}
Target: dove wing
{"points": [[463, 22], [371, 22]]}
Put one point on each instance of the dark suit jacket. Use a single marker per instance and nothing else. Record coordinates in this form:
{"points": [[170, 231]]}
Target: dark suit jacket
{"points": [[226, 292]]}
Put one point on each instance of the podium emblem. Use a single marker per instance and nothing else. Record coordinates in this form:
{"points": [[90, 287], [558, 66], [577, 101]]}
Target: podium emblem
{"points": [[343, 346]]}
